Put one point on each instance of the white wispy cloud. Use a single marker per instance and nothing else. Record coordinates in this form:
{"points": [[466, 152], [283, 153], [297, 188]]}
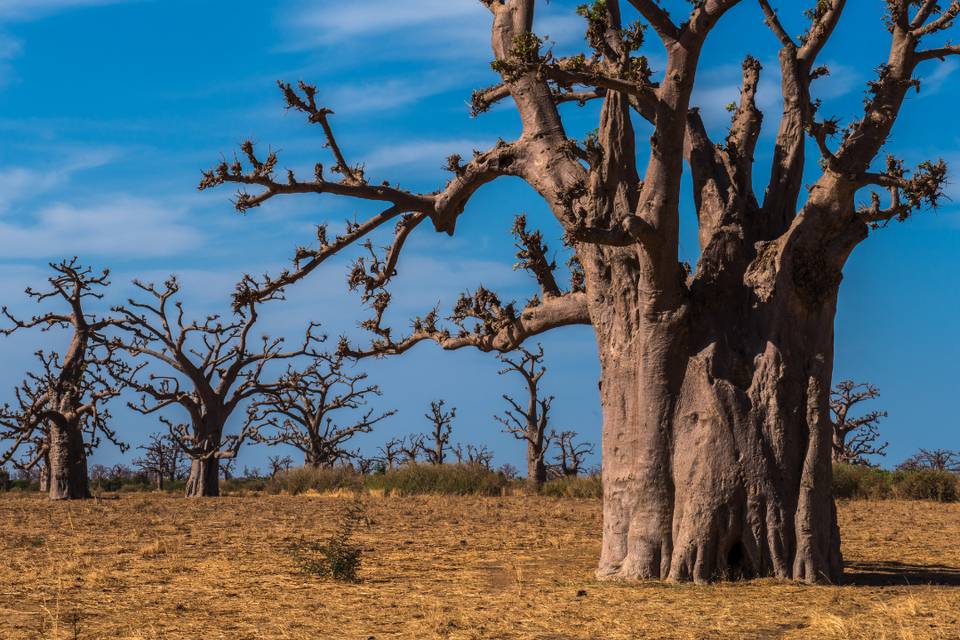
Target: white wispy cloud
{"points": [[437, 29], [388, 93], [33, 9], [934, 83], [120, 225], [413, 155], [20, 183]]}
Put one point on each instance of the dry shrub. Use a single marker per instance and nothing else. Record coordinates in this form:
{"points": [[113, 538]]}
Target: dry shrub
{"points": [[856, 481], [446, 479], [337, 558], [321, 479], [863, 482], [574, 487], [926, 484]]}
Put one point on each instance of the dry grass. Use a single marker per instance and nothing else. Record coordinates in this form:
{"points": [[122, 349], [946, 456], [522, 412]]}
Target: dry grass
{"points": [[154, 566]]}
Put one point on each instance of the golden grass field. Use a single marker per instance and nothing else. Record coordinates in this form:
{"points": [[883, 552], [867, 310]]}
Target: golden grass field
{"points": [[157, 566]]}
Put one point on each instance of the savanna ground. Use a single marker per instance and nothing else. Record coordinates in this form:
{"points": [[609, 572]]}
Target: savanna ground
{"points": [[151, 566]]}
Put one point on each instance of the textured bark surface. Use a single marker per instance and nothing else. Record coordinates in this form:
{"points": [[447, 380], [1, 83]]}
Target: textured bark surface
{"points": [[715, 384], [204, 479], [68, 463]]}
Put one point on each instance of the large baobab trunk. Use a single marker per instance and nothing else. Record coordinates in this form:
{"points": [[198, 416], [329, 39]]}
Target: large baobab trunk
{"points": [[204, 480], [67, 470], [717, 432]]}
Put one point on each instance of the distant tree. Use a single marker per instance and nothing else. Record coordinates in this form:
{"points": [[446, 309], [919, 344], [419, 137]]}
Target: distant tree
{"points": [[571, 456], [209, 367], [301, 409], [391, 452], [364, 465], [251, 472], [411, 447], [509, 471], [4, 478], [435, 445], [227, 466], [529, 423], [60, 412], [161, 460], [855, 438], [936, 459], [279, 464], [473, 454]]}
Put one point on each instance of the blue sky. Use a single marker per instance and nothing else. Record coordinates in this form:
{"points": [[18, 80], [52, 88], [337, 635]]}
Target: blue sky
{"points": [[110, 109]]}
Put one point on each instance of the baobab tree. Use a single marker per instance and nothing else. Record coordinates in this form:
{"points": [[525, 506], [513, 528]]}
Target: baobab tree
{"points": [[209, 368], [571, 454], [936, 459], [529, 423], [435, 445], [391, 453], [60, 414], [474, 455], [279, 465], [162, 459], [301, 410], [715, 382], [855, 438]]}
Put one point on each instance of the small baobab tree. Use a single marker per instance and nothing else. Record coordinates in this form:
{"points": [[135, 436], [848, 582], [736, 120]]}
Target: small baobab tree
{"points": [[529, 423], [474, 455], [435, 445], [303, 408], [855, 438], [207, 367], [571, 455], [391, 453], [935, 459], [162, 459], [715, 380], [279, 465], [60, 414]]}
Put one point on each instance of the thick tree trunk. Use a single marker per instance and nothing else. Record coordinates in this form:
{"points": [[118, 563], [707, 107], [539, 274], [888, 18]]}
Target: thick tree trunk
{"points": [[536, 469], [734, 478], [204, 480], [67, 471], [717, 433]]}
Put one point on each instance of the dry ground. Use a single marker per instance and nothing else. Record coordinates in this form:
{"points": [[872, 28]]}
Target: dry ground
{"points": [[157, 566]]}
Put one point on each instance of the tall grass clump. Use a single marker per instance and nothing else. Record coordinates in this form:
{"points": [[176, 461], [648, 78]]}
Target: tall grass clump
{"points": [[320, 479], [872, 483], [573, 487], [860, 482], [926, 484], [447, 479]]}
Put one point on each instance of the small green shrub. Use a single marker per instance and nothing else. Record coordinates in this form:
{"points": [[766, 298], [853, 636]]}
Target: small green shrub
{"points": [[448, 479], [573, 487], [855, 481], [338, 558], [307, 478], [926, 484]]}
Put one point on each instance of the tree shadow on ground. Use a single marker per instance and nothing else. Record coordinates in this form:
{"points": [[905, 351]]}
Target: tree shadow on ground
{"points": [[888, 574]]}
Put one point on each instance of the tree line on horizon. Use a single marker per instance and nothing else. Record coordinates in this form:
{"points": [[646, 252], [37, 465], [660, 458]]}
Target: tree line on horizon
{"points": [[211, 369]]}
